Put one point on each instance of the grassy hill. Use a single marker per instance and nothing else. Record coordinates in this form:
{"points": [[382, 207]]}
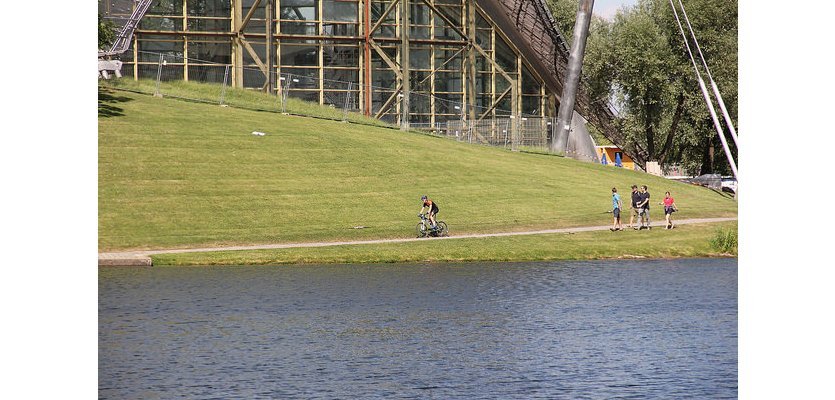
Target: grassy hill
{"points": [[182, 174]]}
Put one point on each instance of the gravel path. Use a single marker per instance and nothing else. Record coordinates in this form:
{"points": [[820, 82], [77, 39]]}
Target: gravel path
{"points": [[141, 257]]}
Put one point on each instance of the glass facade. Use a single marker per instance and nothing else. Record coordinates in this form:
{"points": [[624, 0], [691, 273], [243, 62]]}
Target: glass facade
{"points": [[327, 51]]}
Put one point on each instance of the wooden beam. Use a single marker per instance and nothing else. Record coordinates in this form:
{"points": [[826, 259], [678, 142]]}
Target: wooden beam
{"points": [[386, 59], [249, 15], [470, 71], [254, 55], [270, 13], [446, 19], [431, 74], [383, 17], [495, 102], [405, 64], [388, 102]]}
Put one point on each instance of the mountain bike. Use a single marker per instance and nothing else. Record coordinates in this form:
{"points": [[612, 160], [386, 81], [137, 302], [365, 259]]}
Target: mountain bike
{"points": [[424, 229]]}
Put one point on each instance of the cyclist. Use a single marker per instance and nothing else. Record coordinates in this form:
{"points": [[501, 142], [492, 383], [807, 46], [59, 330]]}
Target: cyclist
{"points": [[432, 210]]}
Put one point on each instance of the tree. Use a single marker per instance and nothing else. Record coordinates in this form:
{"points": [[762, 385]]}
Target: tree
{"points": [[647, 75], [107, 32], [715, 24], [639, 59], [565, 14]]}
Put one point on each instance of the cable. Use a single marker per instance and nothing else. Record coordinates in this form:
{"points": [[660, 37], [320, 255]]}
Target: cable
{"points": [[712, 82], [707, 97]]}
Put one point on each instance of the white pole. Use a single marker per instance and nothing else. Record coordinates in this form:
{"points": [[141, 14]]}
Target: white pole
{"points": [[707, 97], [712, 82], [718, 126]]}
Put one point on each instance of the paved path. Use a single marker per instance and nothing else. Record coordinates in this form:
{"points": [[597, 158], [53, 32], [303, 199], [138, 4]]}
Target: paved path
{"points": [[141, 257]]}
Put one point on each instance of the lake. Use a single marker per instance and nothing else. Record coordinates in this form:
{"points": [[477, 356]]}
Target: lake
{"points": [[553, 330]]}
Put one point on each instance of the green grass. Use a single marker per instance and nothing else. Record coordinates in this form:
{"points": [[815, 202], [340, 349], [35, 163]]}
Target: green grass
{"points": [[725, 240], [683, 241], [176, 174], [240, 98]]}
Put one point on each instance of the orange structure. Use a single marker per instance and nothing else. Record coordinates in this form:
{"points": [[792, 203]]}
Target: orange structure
{"points": [[612, 152]]}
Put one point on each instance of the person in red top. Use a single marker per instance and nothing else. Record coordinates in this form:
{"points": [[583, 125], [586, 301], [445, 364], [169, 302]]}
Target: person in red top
{"points": [[669, 208]]}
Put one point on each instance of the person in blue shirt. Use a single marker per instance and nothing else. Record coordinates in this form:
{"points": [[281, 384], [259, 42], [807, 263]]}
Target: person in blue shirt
{"points": [[616, 207]]}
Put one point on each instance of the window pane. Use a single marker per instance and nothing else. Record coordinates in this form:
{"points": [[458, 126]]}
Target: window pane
{"points": [[302, 95], [530, 105], [448, 59], [340, 56], [216, 51], [505, 56], [383, 79], [148, 71], [419, 80], [529, 84], [161, 24], [260, 51], [171, 72], [210, 8], [253, 77], [166, 7], [299, 10], [334, 29], [504, 106], [151, 46], [204, 73], [418, 104], [378, 7], [304, 55], [419, 32], [256, 25], [308, 78], [340, 79], [446, 103], [448, 82], [501, 84], [420, 58], [298, 28], [209, 25], [339, 10]]}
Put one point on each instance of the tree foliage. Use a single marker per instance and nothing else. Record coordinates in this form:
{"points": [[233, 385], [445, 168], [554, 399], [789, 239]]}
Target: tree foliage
{"points": [[640, 61], [565, 14], [107, 32]]}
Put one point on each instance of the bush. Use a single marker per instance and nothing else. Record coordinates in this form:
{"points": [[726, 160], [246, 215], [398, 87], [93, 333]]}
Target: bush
{"points": [[725, 240]]}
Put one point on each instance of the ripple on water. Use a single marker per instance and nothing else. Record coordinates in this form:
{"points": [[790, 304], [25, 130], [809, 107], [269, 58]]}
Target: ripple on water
{"points": [[597, 329]]}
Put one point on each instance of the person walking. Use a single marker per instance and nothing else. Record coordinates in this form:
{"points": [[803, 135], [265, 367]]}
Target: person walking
{"points": [[616, 207], [644, 207], [669, 209], [634, 214]]}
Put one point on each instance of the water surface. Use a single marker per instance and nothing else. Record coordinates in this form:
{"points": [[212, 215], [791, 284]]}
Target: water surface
{"points": [[560, 330]]}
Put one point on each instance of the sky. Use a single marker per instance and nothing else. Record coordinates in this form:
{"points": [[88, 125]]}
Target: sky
{"points": [[607, 8]]}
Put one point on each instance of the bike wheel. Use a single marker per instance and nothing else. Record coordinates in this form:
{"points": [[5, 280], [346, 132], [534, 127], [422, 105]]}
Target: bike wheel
{"points": [[421, 230], [443, 229]]}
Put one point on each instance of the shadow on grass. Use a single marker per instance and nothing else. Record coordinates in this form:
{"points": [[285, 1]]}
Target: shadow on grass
{"points": [[725, 194], [107, 103]]}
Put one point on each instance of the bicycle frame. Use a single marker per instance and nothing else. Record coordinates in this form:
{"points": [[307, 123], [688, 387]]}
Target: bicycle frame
{"points": [[424, 228]]}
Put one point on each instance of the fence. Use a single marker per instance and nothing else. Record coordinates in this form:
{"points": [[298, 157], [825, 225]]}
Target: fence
{"points": [[165, 74]]}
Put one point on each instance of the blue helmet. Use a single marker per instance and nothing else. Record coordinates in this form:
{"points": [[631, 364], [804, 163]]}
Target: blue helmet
{"points": [[423, 197]]}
